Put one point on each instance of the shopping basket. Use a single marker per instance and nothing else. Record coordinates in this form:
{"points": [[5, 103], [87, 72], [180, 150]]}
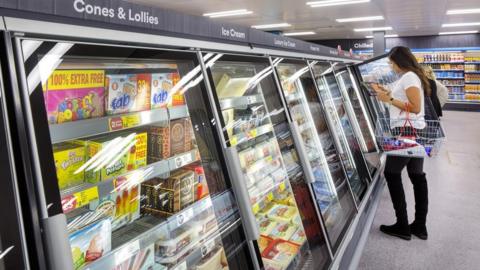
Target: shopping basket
{"points": [[407, 141]]}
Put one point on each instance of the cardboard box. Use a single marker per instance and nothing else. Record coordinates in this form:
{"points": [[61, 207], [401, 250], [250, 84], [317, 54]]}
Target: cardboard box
{"points": [[168, 196], [127, 93], [69, 157], [72, 95], [180, 136], [165, 142], [158, 144], [162, 83], [137, 156]]}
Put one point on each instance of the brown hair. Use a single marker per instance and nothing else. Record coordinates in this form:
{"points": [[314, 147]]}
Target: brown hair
{"points": [[404, 59]]}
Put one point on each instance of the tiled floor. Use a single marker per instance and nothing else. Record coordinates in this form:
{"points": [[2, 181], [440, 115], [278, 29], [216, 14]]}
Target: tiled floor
{"points": [[454, 210]]}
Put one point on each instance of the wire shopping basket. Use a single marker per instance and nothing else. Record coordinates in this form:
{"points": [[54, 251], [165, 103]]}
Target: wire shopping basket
{"points": [[407, 141]]}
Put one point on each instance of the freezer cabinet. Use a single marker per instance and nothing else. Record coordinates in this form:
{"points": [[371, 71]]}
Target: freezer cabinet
{"points": [[129, 166], [256, 130]]}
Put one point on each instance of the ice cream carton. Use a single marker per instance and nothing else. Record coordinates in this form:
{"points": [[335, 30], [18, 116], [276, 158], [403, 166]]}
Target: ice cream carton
{"points": [[162, 84], [69, 157], [127, 93], [72, 95]]}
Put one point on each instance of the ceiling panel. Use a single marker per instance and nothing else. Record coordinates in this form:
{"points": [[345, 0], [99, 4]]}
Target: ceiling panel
{"points": [[407, 17]]}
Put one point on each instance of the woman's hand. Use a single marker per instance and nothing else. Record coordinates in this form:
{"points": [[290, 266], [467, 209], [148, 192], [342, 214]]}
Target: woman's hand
{"points": [[383, 94]]}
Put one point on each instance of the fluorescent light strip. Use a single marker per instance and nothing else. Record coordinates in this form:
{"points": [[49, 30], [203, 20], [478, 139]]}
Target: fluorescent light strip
{"points": [[306, 33], [458, 32], [227, 13], [463, 11], [460, 24], [386, 28], [387, 36], [273, 25], [329, 3], [361, 19]]}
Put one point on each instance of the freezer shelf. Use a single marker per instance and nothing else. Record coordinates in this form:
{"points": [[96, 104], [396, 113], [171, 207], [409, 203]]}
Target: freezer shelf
{"points": [[240, 102], [80, 196], [250, 134], [124, 246], [90, 127]]}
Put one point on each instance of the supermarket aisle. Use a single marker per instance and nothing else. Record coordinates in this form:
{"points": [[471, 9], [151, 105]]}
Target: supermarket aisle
{"points": [[453, 221]]}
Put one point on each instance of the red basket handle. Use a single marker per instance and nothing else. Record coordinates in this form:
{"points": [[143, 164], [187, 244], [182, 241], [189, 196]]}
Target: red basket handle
{"points": [[407, 121]]}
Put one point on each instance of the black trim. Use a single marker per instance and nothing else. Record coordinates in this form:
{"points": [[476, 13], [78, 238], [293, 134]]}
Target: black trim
{"points": [[464, 107]]}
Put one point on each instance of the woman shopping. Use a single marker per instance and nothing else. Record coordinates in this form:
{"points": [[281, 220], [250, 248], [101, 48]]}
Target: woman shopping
{"points": [[407, 96]]}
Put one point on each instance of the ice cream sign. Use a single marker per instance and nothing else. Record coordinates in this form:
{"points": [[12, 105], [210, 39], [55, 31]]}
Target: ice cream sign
{"points": [[121, 13]]}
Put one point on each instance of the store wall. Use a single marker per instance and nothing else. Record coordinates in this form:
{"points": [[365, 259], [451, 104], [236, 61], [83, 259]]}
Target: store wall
{"points": [[420, 42]]}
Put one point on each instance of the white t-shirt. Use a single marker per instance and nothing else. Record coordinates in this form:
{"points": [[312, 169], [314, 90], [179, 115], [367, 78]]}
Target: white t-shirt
{"points": [[397, 116]]}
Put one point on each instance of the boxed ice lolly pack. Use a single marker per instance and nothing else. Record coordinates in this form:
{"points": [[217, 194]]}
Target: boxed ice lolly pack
{"points": [[123, 160], [162, 84], [69, 157], [90, 243], [127, 93], [74, 95], [171, 140]]}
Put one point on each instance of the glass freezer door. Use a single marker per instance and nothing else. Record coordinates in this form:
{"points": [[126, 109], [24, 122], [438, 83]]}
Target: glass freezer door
{"points": [[254, 123], [356, 109], [128, 153], [329, 183], [349, 148]]}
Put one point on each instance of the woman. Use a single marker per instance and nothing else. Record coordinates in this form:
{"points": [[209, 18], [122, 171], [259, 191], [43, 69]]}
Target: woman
{"points": [[408, 94], [439, 92]]}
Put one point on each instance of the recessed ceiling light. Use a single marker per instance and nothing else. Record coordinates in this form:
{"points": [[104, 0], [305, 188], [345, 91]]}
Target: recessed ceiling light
{"points": [[387, 36], [458, 32], [273, 25], [460, 24], [361, 19], [329, 3], [371, 29], [227, 13], [463, 11], [306, 33]]}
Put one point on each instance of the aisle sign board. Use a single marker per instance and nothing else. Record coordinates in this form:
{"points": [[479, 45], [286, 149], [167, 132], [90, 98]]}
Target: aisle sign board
{"points": [[167, 22]]}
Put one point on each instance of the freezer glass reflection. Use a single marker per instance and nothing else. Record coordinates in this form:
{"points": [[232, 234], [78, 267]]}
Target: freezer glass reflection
{"points": [[329, 180]]}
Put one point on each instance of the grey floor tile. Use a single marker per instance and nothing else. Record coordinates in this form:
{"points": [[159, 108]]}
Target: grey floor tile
{"points": [[454, 212]]}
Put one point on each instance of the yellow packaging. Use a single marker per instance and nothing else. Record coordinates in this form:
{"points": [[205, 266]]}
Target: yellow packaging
{"points": [[93, 146], [69, 157], [137, 157]]}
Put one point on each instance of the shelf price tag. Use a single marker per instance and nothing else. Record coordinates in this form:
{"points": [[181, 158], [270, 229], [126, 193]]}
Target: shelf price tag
{"points": [[282, 186], [126, 252], [233, 141], [84, 197], [128, 121], [270, 196], [253, 133], [183, 160], [185, 217], [256, 208], [207, 247]]}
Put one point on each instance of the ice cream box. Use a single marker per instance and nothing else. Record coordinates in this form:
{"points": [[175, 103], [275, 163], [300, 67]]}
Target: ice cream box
{"points": [[168, 196], [281, 252], [266, 225], [137, 156], [175, 242], [298, 237], [69, 157], [127, 93], [125, 202], [72, 95], [181, 136], [90, 243], [283, 213], [162, 84], [94, 149], [283, 230], [158, 143], [144, 259], [264, 242], [215, 260]]}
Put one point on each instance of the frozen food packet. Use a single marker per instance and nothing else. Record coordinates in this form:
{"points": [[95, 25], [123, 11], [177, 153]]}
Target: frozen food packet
{"points": [[91, 243]]}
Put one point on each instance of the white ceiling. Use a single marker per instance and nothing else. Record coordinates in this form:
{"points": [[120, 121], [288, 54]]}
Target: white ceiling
{"points": [[407, 17]]}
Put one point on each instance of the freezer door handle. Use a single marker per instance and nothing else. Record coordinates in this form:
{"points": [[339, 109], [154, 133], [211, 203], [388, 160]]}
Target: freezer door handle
{"points": [[5, 252], [57, 244], [302, 153], [241, 193]]}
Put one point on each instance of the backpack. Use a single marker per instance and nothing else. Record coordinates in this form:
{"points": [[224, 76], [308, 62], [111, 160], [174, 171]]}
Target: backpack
{"points": [[435, 102]]}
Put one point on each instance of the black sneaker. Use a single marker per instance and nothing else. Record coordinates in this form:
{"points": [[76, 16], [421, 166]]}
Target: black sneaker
{"points": [[419, 231], [401, 231]]}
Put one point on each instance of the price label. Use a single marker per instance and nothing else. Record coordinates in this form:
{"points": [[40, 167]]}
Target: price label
{"points": [[127, 252], [69, 203], [184, 217], [282, 186], [128, 121], [207, 247], [269, 159], [255, 208], [270, 196], [251, 99], [84, 197], [183, 160], [233, 141], [253, 133]]}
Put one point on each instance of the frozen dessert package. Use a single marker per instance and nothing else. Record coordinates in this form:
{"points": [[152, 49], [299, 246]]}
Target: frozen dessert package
{"points": [[167, 141], [264, 242], [215, 260], [266, 225], [127, 93], [142, 260], [174, 244], [72, 95], [298, 237], [90, 243], [162, 84], [283, 213], [283, 230], [125, 202], [69, 157], [281, 253]]}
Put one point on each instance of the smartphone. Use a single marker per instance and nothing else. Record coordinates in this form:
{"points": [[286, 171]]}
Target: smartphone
{"points": [[367, 87]]}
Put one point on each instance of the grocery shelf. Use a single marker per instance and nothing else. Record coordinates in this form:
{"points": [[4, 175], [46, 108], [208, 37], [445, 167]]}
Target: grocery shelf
{"points": [[293, 97], [472, 82], [454, 70], [257, 206], [240, 102], [81, 195], [90, 127], [450, 78], [124, 245], [472, 72], [251, 134], [455, 85], [443, 62], [472, 63]]}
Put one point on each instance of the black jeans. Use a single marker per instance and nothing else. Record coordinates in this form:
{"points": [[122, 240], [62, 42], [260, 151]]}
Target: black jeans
{"points": [[393, 176]]}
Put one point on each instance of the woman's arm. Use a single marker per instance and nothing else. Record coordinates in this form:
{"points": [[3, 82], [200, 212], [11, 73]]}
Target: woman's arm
{"points": [[413, 95]]}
